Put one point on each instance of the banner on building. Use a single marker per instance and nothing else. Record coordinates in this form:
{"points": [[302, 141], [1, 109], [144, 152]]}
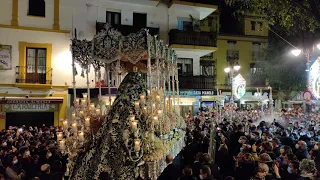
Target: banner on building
{"points": [[5, 57], [239, 86], [30, 107]]}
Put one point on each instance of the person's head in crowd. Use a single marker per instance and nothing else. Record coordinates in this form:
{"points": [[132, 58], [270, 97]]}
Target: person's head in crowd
{"points": [[248, 158], [275, 143], [205, 172], [48, 154], [288, 158], [205, 159], [301, 145], [266, 146], [187, 171], [254, 135], [266, 136], [284, 150], [169, 159], [307, 167], [2, 177], [264, 158], [45, 169], [245, 148], [240, 128], [12, 160], [263, 170], [198, 156], [242, 140], [35, 159], [26, 153], [250, 122], [293, 167]]}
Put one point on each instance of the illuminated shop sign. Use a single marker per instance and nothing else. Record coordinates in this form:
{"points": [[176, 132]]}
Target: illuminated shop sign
{"points": [[238, 86]]}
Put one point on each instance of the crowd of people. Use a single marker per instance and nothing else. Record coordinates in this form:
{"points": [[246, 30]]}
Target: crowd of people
{"points": [[31, 153], [287, 149]]}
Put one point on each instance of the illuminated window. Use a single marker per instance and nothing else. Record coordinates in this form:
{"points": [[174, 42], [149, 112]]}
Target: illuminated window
{"points": [[36, 65]]}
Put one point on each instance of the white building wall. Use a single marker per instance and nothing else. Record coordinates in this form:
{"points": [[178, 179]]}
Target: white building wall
{"points": [[80, 14], [6, 11]]}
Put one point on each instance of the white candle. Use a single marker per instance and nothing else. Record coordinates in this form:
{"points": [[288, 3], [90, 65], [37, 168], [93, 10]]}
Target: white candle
{"points": [[81, 113], [158, 97], [131, 117], [83, 101], [153, 105], [137, 105], [92, 106], [74, 128], [155, 117], [81, 136], [134, 125], [87, 121], [148, 92], [85, 95], [136, 145], [97, 111], [59, 136], [62, 144], [77, 101], [73, 116], [142, 98], [65, 124], [159, 111]]}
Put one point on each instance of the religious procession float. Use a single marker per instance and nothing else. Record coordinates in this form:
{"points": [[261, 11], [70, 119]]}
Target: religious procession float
{"points": [[143, 124]]}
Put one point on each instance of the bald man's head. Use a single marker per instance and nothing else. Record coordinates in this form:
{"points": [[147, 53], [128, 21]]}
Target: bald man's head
{"points": [[169, 159]]}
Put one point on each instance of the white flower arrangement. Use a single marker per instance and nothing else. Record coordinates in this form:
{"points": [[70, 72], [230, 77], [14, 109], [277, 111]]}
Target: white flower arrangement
{"points": [[153, 147]]}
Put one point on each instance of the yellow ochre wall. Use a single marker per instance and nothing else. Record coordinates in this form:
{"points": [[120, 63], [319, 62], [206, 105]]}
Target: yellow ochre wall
{"points": [[61, 114], [245, 58]]}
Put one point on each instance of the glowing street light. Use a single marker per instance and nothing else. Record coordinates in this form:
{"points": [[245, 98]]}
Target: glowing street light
{"points": [[227, 69], [296, 52], [236, 67]]}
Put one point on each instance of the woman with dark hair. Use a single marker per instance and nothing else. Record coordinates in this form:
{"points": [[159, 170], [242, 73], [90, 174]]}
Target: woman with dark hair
{"points": [[244, 169], [13, 172]]}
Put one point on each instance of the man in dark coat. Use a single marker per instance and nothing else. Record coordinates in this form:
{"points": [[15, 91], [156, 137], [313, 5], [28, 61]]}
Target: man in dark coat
{"points": [[171, 172]]}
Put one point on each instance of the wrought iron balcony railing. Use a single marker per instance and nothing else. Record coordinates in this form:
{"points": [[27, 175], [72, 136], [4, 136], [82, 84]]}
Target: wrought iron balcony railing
{"points": [[126, 29], [34, 74], [197, 82], [192, 38]]}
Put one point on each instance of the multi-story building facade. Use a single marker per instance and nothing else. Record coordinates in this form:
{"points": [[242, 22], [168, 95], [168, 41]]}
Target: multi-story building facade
{"points": [[242, 41], [35, 61], [36, 71]]}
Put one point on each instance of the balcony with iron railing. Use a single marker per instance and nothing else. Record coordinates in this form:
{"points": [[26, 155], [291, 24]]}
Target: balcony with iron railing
{"points": [[192, 38], [197, 82], [33, 74], [126, 29]]}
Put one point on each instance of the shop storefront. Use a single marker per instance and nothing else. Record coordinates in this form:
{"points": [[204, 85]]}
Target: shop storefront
{"points": [[194, 100], [17, 111]]}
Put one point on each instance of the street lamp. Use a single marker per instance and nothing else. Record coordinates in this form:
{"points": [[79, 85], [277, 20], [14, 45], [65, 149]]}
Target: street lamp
{"points": [[227, 69], [296, 52], [234, 67], [307, 53]]}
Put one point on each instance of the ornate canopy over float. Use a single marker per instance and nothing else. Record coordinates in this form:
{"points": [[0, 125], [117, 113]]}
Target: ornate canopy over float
{"points": [[142, 126]]}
